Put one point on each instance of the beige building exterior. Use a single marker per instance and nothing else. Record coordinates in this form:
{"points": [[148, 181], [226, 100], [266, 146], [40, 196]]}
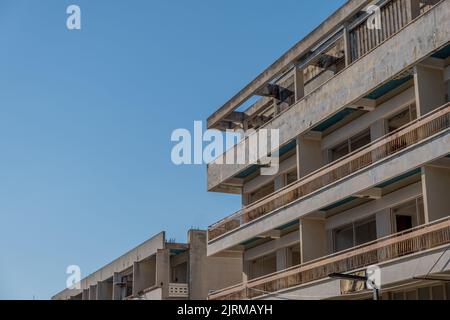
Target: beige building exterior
{"points": [[160, 270], [364, 178]]}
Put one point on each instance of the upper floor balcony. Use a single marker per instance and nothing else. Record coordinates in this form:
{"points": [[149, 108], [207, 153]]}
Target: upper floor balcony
{"points": [[337, 67], [374, 154]]}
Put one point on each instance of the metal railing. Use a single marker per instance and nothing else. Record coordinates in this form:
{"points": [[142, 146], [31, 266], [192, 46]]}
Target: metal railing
{"points": [[412, 241], [411, 134]]}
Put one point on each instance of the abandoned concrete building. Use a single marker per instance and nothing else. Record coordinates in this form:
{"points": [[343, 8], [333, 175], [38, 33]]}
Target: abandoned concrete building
{"points": [[364, 174], [160, 270]]}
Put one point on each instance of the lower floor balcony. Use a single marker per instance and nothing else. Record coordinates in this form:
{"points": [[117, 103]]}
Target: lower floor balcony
{"points": [[408, 250]]}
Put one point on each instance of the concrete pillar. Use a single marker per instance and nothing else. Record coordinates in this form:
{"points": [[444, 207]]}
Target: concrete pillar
{"points": [[117, 289], [384, 223], [436, 186], [347, 46], [429, 88], [93, 292], [309, 153], [299, 84], [85, 294], [104, 290], [210, 273], [163, 271], [313, 239]]}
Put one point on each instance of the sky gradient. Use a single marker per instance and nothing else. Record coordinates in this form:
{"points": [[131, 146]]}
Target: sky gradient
{"points": [[86, 118]]}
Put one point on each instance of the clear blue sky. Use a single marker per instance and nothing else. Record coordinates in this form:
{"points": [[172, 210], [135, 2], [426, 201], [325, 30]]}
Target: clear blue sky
{"points": [[86, 118]]}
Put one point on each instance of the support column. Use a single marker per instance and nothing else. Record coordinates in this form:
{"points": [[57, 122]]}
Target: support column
{"points": [[429, 88], [347, 46], [299, 84], [117, 289], [309, 153], [163, 271], [436, 186], [313, 239]]}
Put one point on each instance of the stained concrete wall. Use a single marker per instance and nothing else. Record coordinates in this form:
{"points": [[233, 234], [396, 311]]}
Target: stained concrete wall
{"points": [[430, 88], [210, 273], [144, 275]]}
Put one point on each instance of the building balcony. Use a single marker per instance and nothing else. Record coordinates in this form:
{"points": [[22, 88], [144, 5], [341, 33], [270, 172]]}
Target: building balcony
{"points": [[353, 86], [404, 245], [406, 139]]}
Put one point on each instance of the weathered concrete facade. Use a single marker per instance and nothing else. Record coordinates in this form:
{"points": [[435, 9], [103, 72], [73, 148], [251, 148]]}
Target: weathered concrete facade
{"points": [[160, 270], [363, 117]]}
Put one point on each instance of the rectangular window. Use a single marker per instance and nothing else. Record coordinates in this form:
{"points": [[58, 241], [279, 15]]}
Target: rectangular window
{"points": [[409, 215], [402, 118], [360, 140], [352, 144], [365, 232], [263, 266], [355, 234]]}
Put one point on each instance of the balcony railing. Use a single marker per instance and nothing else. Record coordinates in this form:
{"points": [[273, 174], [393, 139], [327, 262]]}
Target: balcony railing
{"points": [[178, 290], [416, 240], [413, 133]]}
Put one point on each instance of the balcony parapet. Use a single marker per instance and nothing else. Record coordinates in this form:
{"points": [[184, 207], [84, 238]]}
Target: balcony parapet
{"points": [[178, 290], [411, 134], [420, 239]]}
